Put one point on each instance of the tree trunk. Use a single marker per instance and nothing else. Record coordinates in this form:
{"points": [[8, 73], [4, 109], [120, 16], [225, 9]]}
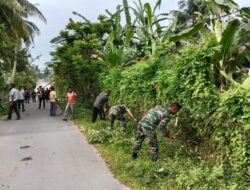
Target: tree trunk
{"points": [[14, 66]]}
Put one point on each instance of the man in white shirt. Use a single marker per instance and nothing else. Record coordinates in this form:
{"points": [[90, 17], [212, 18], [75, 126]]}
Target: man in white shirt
{"points": [[21, 99], [14, 93]]}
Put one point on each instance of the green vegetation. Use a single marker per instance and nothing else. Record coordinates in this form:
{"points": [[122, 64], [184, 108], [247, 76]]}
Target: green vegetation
{"points": [[200, 60], [16, 37], [181, 166]]}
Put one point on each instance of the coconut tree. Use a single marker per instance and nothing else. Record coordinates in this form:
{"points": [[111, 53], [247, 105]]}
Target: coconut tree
{"points": [[14, 15], [190, 9]]}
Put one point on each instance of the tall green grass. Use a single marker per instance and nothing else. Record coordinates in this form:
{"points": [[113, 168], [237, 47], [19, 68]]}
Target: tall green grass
{"points": [[179, 167]]}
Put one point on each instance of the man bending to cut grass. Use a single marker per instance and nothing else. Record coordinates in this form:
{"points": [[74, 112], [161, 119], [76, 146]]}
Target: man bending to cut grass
{"points": [[156, 117], [117, 112]]}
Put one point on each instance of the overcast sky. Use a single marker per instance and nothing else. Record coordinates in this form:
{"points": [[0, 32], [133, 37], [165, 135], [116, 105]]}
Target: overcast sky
{"points": [[58, 12]]}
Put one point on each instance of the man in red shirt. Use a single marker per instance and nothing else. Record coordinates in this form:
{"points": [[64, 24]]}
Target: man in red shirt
{"points": [[71, 100]]}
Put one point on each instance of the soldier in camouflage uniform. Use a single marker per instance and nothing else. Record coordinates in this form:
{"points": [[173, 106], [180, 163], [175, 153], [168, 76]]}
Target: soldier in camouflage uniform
{"points": [[156, 117], [117, 112]]}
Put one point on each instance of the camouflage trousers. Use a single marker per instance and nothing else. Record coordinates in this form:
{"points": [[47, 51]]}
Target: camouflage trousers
{"points": [[120, 118], [141, 134]]}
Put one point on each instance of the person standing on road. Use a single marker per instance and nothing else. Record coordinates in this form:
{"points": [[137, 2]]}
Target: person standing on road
{"points": [[101, 101], [33, 94], [71, 100], [21, 99], [47, 92], [41, 97], [117, 112], [13, 102], [53, 101], [27, 95], [156, 117]]}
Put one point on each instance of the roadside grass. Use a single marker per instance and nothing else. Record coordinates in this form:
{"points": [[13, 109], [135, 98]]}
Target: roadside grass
{"points": [[179, 167]]}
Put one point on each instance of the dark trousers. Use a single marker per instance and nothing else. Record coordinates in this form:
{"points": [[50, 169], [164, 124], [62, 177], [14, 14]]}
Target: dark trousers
{"points": [[33, 98], [27, 99], [40, 102], [21, 105], [53, 108], [15, 107], [98, 111]]}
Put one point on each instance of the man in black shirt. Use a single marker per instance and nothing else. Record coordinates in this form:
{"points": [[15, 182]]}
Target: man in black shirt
{"points": [[41, 97], [100, 102]]}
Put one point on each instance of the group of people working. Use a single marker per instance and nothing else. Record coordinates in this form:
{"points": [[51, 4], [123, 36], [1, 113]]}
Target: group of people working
{"points": [[16, 99], [157, 117], [70, 101]]}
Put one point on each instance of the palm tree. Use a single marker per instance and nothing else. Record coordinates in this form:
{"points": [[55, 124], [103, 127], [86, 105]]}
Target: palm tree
{"points": [[14, 15], [190, 9]]}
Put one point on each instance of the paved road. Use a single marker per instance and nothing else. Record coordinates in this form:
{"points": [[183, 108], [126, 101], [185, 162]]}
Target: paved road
{"points": [[40, 152]]}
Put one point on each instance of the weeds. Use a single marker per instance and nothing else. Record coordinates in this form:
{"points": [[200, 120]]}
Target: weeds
{"points": [[179, 167]]}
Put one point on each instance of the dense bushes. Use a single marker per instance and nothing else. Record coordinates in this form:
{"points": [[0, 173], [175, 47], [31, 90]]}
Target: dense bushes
{"points": [[212, 150], [218, 120], [213, 127], [187, 78], [232, 120]]}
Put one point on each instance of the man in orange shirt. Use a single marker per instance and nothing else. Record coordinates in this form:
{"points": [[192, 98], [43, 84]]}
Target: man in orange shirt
{"points": [[71, 100]]}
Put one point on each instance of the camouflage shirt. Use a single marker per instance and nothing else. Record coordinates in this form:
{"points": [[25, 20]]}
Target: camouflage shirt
{"points": [[156, 117], [118, 110]]}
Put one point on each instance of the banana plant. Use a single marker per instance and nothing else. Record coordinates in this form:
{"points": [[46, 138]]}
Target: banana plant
{"points": [[143, 34], [148, 25], [231, 39], [129, 28], [227, 29], [115, 44]]}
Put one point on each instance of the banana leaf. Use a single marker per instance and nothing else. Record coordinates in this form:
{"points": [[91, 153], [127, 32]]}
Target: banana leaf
{"points": [[246, 11], [148, 10], [186, 33], [158, 4], [228, 36]]}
